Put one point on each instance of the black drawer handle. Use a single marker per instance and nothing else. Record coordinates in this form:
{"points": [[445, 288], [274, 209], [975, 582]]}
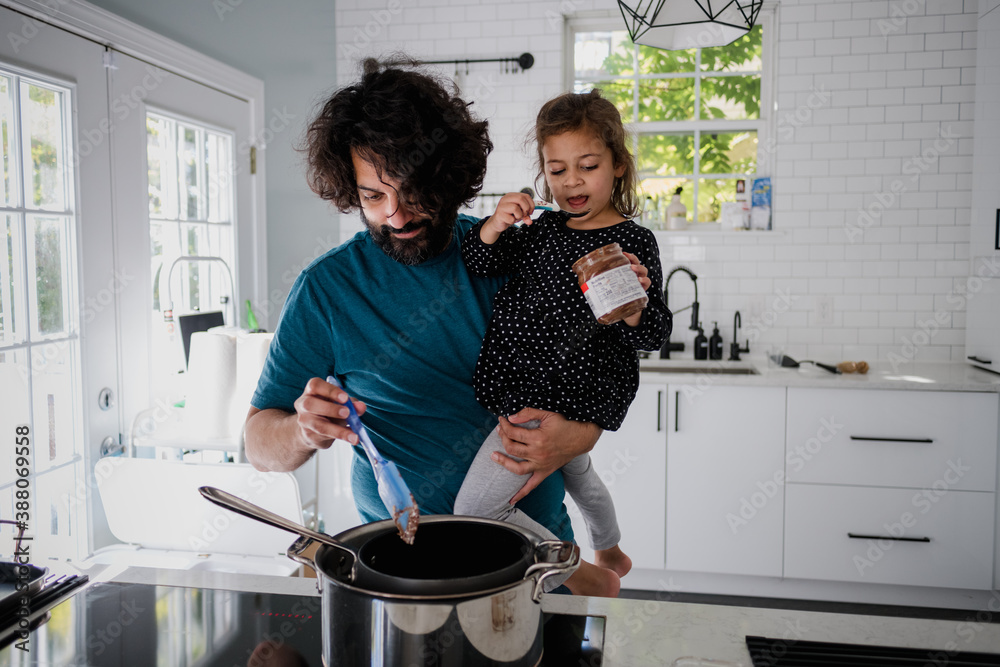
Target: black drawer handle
{"points": [[857, 536], [978, 360], [871, 439]]}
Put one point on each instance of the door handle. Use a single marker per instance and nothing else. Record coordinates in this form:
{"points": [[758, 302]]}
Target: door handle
{"points": [[659, 410], [677, 411]]}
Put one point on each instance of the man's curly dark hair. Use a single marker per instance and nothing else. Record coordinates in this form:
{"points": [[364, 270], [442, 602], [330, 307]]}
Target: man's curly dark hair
{"points": [[411, 128]]}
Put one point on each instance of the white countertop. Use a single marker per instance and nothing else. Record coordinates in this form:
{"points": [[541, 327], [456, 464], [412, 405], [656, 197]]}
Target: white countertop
{"points": [[920, 376], [653, 632]]}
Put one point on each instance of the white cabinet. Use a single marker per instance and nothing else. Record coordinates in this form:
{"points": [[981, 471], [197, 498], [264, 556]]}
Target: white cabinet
{"points": [[891, 487], [890, 536], [910, 439], [725, 479], [982, 295], [632, 463]]}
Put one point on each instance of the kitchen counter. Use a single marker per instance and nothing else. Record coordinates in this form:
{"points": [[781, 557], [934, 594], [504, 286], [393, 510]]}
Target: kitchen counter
{"points": [[652, 632], [919, 376]]}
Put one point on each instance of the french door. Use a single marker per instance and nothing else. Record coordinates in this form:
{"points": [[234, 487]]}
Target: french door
{"points": [[112, 170], [58, 361], [183, 181]]}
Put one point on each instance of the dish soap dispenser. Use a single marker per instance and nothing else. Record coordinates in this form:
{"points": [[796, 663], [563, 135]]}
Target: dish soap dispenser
{"points": [[715, 343], [677, 212], [700, 344]]}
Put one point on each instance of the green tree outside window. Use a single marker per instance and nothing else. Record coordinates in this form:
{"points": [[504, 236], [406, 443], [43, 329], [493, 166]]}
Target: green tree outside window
{"points": [[694, 87]]}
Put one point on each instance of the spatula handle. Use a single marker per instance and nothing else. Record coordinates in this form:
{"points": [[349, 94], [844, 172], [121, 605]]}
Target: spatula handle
{"points": [[354, 421]]}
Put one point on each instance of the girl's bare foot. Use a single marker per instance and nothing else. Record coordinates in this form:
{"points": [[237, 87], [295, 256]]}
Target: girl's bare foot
{"points": [[590, 579], [613, 559]]}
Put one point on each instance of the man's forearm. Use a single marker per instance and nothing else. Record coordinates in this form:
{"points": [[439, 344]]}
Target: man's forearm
{"points": [[272, 441]]}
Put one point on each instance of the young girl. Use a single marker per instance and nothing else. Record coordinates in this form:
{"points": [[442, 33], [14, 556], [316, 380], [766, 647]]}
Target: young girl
{"points": [[544, 348]]}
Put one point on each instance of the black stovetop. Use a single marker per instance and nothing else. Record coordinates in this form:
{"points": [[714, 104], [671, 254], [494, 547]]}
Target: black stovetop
{"points": [[132, 625]]}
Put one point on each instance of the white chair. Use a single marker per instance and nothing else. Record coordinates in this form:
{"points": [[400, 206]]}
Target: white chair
{"points": [[154, 508]]}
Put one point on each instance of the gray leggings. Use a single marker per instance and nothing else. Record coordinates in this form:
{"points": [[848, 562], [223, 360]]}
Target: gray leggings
{"points": [[488, 488]]}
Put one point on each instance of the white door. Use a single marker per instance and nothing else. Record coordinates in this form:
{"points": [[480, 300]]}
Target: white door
{"points": [[57, 281], [632, 463], [183, 182], [725, 479]]}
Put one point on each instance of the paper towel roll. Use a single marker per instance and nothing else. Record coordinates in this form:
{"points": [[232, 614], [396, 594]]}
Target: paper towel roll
{"points": [[251, 351], [211, 382]]}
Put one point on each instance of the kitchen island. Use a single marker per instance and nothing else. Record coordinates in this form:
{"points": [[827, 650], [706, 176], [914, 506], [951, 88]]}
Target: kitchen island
{"points": [[636, 632]]}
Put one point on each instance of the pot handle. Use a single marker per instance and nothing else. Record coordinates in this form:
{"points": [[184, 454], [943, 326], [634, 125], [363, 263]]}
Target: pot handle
{"points": [[297, 553], [552, 557], [251, 511]]}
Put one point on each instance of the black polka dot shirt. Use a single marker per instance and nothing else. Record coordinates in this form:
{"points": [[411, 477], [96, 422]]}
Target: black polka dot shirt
{"points": [[544, 348]]}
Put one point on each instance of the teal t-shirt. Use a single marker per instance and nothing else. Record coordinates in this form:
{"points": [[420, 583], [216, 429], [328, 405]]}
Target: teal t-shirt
{"points": [[403, 339]]}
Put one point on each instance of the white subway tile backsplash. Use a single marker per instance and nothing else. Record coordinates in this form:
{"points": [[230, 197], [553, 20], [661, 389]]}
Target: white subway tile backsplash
{"points": [[872, 187], [925, 59], [904, 43], [816, 30], [944, 41], [870, 10], [963, 58], [896, 319], [925, 24], [887, 61], [960, 22], [884, 132]]}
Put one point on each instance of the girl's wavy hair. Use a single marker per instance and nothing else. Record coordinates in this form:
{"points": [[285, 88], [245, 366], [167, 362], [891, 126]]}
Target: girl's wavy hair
{"points": [[411, 128], [590, 111]]}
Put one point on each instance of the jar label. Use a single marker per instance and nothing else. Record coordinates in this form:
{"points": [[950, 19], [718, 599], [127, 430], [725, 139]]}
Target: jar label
{"points": [[611, 289]]}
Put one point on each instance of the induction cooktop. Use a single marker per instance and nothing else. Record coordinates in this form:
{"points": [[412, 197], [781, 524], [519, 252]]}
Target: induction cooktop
{"points": [[132, 625]]}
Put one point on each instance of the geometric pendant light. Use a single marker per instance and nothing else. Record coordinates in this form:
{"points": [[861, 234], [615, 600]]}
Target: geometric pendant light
{"points": [[688, 24]]}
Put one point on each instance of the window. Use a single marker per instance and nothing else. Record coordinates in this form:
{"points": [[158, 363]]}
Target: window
{"points": [[190, 171], [698, 115], [39, 321]]}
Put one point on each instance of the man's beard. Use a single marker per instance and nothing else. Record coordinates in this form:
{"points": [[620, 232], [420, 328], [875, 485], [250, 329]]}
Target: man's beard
{"points": [[415, 250]]}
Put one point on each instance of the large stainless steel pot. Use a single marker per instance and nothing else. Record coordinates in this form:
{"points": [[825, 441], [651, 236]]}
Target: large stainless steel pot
{"points": [[465, 594]]}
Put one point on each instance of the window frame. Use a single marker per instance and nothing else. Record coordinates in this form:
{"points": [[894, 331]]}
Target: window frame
{"points": [[600, 21], [209, 298]]}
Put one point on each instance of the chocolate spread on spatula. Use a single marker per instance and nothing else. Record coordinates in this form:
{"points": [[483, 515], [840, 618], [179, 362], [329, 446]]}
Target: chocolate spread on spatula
{"points": [[410, 533]]}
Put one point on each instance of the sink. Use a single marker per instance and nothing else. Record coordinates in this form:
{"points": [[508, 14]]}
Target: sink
{"points": [[698, 367]]}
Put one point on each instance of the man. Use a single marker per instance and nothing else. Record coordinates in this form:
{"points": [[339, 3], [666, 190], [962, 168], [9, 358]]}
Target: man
{"points": [[394, 315]]}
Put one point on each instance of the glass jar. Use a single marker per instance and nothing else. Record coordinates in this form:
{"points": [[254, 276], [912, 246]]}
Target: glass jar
{"points": [[609, 284]]}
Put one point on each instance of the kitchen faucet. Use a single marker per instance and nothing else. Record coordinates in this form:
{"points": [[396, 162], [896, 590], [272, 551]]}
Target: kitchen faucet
{"points": [[734, 347], [669, 347]]}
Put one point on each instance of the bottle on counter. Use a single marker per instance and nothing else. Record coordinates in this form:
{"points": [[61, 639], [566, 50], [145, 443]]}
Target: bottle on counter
{"points": [[700, 344], [715, 343], [677, 212]]}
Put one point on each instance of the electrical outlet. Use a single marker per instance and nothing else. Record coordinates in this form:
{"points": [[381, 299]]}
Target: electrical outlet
{"points": [[755, 307], [824, 311]]}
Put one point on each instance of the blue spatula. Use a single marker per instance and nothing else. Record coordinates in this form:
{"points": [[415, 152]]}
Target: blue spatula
{"points": [[391, 487]]}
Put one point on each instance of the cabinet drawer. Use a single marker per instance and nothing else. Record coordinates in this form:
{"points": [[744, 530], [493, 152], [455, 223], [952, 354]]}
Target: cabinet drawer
{"points": [[954, 529], [912, 439]]}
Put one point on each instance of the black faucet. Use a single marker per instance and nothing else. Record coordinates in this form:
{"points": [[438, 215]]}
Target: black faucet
{"points": [[669, 347], [734, 347]]}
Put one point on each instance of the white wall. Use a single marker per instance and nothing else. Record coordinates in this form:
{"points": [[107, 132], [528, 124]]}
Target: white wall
{"points": [[872, 163]]}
